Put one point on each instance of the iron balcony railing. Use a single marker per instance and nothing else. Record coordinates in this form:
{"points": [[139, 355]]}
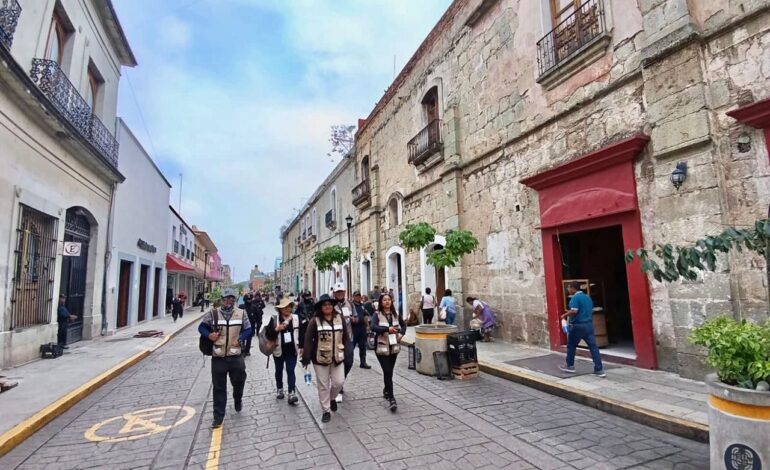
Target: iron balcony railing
{"points": [[304, 235], [331, 219], [361, 192], [9, 18], [580, 28], [53, 82], [425, 143]]}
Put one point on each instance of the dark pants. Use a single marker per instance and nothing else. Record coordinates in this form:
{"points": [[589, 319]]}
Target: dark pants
{"points": [[176, 314], [359, 339], [291, 364], [349, 358], [583, 331], [220, 368], [388, 363], [427, 315], [61, 334]]}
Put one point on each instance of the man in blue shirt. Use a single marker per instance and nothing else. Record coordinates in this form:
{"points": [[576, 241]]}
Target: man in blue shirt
{"points": [[64, 318], [581, 327]]}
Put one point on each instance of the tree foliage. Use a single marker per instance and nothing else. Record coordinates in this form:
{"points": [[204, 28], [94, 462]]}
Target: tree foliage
{"points": [[458, 244], [669, 263], [326, 258], [342, 139], [417, 236]]}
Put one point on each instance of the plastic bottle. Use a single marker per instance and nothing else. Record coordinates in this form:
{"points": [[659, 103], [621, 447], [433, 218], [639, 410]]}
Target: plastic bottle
{"points": [[308, 377], [564, 327]]}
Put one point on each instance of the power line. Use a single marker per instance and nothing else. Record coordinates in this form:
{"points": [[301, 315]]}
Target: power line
{"points": [[141, 114]]}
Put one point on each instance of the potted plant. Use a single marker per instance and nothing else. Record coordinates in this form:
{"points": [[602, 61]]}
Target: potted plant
{"points": [[739, 393]]}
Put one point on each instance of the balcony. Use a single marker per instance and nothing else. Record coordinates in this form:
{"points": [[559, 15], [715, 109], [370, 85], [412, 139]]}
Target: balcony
{"points": [[578, 33], [9, 18], [53, 82], [331, 219], [426, 143], [310, 233], [361, 194]]}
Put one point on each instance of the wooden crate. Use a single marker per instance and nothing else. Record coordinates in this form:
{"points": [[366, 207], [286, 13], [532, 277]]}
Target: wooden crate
{"points": [[466, 371]]}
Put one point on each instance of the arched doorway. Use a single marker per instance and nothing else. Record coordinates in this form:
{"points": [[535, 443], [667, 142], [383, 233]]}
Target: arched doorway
{"points": [[395, 272], [74, 271], [430, 276], [365, 271]]}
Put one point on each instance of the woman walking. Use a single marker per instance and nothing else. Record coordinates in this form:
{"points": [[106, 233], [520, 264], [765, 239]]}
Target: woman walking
{"points": [[390, 328], [449, 304], [284, 330], [325, 341], [428, 307]]}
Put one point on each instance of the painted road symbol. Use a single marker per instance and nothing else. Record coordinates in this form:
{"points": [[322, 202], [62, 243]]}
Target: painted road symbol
{"points": [[139, 424]]}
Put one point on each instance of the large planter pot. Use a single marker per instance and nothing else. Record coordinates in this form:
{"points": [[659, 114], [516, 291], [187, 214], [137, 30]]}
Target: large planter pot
{"points": [[739, 427], [427, 340]]}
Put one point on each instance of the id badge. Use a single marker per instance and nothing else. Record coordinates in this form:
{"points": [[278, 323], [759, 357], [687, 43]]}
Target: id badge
{"points": [[392, 340], [345, 312], [287, 337]]}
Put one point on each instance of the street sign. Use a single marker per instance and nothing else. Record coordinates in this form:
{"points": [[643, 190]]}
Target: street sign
{"points": [[71, 249]]}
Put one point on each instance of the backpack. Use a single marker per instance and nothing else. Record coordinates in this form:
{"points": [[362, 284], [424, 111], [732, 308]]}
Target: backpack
{"points": [[266, 346], [204, 343]]}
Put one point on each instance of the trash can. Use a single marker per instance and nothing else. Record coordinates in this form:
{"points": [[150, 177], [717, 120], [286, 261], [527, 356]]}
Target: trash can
{"points": [[427, 340]]}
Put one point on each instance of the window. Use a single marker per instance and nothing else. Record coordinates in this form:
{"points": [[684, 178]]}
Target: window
{"points": [[95, 83], [430, 105], [394, 211], [56, 37], [313, 221], [33, 277], [333, 207], [577, 26], [365, 168]]}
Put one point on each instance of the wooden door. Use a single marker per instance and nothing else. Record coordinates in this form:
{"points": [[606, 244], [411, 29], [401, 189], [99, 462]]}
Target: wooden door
{"points": [[143, 272], [156, 293], [124, 286]]}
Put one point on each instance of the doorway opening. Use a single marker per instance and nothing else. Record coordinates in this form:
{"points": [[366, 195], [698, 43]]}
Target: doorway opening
{"points": [[124, 286], [74, 271], [156, 292], [143, 278], [396, 280], [434, 278], [595, 258], [366, 276]]}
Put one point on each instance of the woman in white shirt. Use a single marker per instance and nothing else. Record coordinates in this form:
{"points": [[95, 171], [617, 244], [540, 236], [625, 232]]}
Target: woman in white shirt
{"points": [[428, 307]]}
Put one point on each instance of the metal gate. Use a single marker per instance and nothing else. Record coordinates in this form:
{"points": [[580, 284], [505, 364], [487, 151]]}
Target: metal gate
{"points": [[74, 271]]}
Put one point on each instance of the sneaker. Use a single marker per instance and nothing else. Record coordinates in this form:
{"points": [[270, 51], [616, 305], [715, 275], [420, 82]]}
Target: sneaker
{"points": [[366, 366], [342, 392], [600, 373], [334, 405], [385, 394], [567, 369], [339, 398], [217, 423], [393, 404], [293, 399], [326, 417], [280, 395], [238, 406]]}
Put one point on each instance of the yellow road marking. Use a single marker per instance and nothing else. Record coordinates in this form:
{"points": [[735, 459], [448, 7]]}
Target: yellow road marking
{"points": [[212, 461], [144, 422]]}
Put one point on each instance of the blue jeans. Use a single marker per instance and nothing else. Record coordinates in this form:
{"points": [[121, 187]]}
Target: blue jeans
{"points": [[450, 318], [583, 331], [290, 361]]}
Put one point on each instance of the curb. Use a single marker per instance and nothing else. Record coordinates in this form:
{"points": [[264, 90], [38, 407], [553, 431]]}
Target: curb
{"points": [[672, 425], [19, 433]]}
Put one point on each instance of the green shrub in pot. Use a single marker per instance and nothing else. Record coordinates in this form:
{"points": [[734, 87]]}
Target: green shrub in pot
{"points": [[739, 351]]}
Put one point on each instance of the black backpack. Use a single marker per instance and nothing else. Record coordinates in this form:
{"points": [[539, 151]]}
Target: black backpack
{"points": [[204, 343]]}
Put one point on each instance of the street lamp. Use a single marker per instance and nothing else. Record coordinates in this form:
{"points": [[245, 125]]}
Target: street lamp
{"points": [[205, 264], [349, 221]]}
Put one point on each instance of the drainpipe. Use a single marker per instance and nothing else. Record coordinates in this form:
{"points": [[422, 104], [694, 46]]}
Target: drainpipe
{"points": [[107, 259]]}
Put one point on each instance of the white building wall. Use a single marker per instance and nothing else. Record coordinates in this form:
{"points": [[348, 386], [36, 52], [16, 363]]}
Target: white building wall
{"points": [[141, 212]]}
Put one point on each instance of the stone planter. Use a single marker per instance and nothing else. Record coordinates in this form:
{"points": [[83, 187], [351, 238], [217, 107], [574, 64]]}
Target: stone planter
{"points": [[739, 427], [427, 340]]}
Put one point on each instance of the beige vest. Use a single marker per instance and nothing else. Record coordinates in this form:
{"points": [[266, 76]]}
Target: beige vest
{"points": [[229, 343], [294, 334], [330, 347], [384, 348]]}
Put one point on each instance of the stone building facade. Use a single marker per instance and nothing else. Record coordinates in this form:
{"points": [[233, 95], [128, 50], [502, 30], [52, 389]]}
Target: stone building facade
{"points": [[61, 67], [321, 223], [553, 135]]}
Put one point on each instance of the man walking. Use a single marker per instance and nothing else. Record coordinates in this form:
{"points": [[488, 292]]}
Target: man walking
{"points": [[581, 327], [359, 321], [344, 308], [64, 318], [305, 313], [228, 328]]}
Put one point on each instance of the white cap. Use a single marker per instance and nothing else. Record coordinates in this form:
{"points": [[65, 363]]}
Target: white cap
{"points": [[339, 287]]}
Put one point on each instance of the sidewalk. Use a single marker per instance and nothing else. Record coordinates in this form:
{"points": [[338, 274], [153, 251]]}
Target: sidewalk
{"points": [[655, 398], [44, 384]]}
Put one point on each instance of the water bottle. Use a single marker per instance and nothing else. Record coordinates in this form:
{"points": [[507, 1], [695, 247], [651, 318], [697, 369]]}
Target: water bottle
{"points": [[308, 377], [565, 327]]}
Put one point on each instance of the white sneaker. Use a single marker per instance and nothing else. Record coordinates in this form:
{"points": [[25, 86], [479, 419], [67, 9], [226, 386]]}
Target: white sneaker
{"points": [[339, 398]]}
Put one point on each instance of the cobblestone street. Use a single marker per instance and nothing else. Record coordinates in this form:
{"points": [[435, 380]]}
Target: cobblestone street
{"points": [[487, 422]]}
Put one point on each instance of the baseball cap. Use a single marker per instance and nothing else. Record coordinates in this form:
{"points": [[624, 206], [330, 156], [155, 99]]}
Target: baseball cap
{"points": [[339, 287]]}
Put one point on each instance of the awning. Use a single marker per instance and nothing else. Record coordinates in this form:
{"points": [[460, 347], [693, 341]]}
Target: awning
{"points": [[175, 265]]}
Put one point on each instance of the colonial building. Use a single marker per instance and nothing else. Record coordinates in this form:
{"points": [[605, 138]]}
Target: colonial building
{"points": [[551, 131], [321, 223], [136, 269], [61, 64], [207, 261], [180, 259]]}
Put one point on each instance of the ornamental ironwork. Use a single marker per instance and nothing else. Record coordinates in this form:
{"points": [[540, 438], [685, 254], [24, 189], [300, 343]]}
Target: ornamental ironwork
{"points": [[53, 82], [361, 192], [427, 142], [569, 36], [9, 18]]}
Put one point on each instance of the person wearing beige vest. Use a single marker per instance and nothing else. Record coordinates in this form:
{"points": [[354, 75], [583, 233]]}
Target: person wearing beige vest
{"points": [[228, 328], [389, 328], [284, 330], [326, 339]]}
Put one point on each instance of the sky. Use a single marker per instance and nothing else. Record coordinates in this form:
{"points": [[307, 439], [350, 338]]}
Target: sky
{"points": [[238, 97]]}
